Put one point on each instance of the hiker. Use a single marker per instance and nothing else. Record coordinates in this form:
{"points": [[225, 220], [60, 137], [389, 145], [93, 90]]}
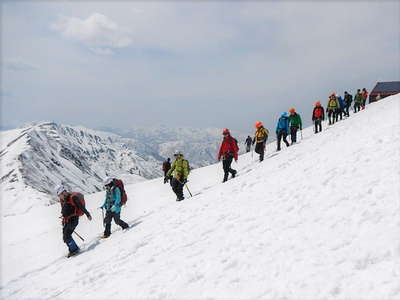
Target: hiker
{"points": [[260, 139], [282, 130], [179, 172], [332, 108], [340, 111], [357, 101], [295, 124], [364, 95], [318, 116], [248, 144], [166, 166], [228, 151], [72, 207], [348, 99], [112, 205]]}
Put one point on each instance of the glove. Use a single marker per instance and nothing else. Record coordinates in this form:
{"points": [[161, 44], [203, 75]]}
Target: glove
{"points": [[89, 217]]}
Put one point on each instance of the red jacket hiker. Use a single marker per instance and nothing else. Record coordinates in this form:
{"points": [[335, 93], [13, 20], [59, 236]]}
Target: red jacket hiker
{"points": [[228, 145]]}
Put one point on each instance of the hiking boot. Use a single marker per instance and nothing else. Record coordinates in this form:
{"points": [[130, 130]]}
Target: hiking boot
{"points": [[234, 173], [73, 253], [104, 236]]}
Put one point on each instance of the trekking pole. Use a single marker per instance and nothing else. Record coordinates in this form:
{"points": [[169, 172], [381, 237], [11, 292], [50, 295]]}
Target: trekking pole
{"points": [[188, 190], [79, 236], [102, 214], [301, 131]]}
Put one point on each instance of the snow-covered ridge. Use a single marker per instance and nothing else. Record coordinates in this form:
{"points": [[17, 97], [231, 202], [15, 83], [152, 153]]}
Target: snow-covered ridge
{"points": [[36, 158], [318, 220]]}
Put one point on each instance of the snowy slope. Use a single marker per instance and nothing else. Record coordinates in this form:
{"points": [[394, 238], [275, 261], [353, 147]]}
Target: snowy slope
{"points": [[36, 158], [319, 220]]}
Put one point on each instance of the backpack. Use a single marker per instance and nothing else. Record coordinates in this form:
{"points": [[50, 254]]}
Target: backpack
{"points": [[236, 144], [78, 211], [166, 166], [282, 123], [318, 112], [119, 184]]}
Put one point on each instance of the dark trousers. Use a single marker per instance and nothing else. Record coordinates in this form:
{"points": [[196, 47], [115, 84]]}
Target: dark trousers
{"points": [[331, 116], [248, 146], [339, 114], [107, 221], [318, 125], [177, 187], [280, 135], [293, 133], [363, 103], [357, 107], [260, 148], [165, 177], [68, 229], [226, 164], [346, 111]]}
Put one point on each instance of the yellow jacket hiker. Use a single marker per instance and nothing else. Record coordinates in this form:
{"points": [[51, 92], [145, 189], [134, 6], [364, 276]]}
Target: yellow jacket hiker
{"points": [[260, 138], [180, 172]]}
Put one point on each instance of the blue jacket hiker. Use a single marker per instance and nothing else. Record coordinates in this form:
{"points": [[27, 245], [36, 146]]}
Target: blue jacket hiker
{"points": [[112, 206], [282, 130]]}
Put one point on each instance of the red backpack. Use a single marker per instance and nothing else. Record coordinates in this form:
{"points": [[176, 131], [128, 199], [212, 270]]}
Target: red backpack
{"points": [[318, 112], [119, 184], [78, 211]]}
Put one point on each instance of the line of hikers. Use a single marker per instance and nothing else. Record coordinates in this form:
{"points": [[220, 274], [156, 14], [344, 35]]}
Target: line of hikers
{"points": [[73, 204], [288, 123]]}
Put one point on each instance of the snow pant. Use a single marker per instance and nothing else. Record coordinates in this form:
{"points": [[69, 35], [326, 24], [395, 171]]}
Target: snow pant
{"points": [[293, 134], [280, 135], [177, 187], [346, 111], [318, 125], [248, 148], [363, 103], [331, 116], [226, 164], [166, 178], [68, 229], [357, 107], [339, 114], [260, 148], [107, 221]]}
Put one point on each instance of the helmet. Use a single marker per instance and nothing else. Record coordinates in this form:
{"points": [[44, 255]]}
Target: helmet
{"points": [[226, 131], [60, 189], [177, 153], [108, 181], [258, 124], [292, 110], [318, 103], [284, 114]]}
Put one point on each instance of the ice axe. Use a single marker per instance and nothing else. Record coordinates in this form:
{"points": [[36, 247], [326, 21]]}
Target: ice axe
{"points": [[79, 236], [188, 190], [102, 214]]}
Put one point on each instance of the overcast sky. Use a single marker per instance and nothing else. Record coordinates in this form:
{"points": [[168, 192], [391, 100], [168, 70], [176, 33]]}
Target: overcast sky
{"points": [[196, 64]]}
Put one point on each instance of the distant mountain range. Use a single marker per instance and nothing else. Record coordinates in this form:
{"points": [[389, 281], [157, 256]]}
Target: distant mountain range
{"points": [[39, 156]]}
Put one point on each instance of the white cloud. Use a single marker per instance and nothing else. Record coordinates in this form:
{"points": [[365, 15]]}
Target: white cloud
{"points": [[19, 65], [98, 32]]}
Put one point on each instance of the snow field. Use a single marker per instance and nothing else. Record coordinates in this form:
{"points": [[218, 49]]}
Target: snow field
{"points": [[317, 220]]}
